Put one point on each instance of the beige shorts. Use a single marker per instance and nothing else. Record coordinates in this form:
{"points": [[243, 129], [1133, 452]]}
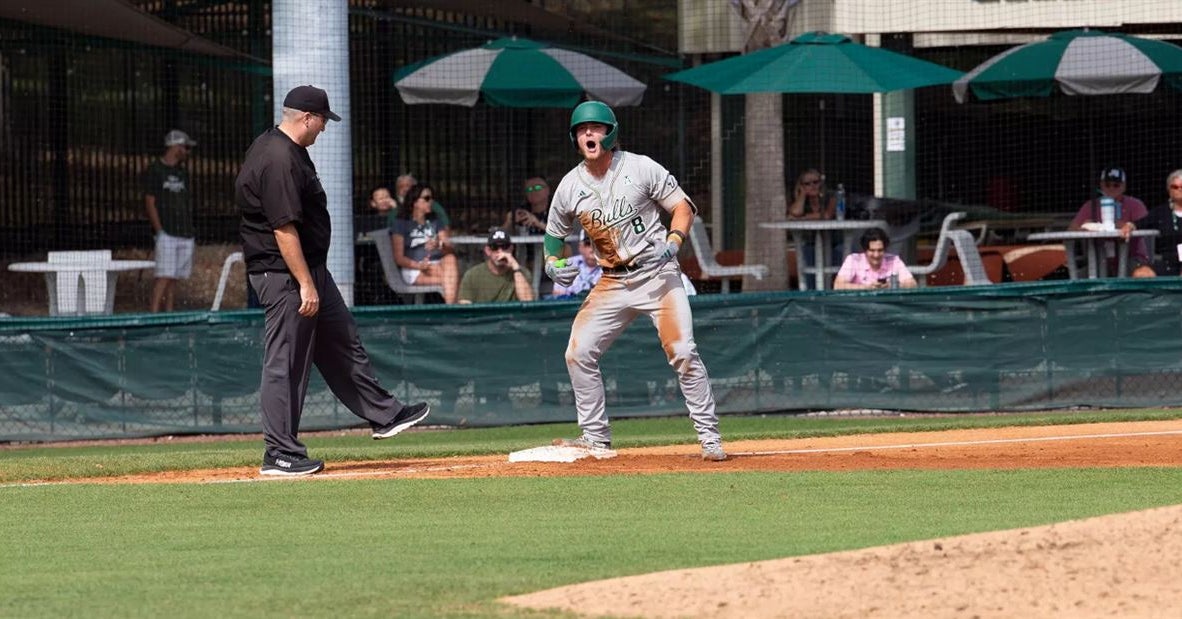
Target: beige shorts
{"points": [[174, 256]]}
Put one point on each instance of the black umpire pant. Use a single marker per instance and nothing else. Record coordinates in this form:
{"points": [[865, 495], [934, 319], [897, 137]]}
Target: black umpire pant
{"points": [[292, 343]]}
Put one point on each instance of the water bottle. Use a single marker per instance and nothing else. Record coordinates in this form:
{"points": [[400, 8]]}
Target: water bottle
{"points": [[1117, 216], [1108, 213], [894, 280], [840, 201]]}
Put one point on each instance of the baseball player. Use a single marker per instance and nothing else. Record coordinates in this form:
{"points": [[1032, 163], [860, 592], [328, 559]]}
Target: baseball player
{"points": [[617, 197]]}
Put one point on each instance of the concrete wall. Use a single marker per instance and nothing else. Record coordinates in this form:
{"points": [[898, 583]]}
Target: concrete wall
{"points": [[709, 26]]}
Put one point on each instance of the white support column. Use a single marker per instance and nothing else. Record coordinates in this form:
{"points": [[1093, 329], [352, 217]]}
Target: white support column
{"points": [[717, 217], [310, 45], [875, 40]]}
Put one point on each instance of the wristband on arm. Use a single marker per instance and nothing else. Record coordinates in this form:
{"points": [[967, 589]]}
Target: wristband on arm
{"points": [[553, 245]]}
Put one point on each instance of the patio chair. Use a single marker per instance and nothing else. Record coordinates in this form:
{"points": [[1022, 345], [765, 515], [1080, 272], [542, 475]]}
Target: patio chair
{"points": [[224, 279], [709, 264], [940, 257], [381, 241], [970, 258]]}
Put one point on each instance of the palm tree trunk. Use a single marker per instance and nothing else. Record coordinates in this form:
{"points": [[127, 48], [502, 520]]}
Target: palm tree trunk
{"points": [[766, 195]]}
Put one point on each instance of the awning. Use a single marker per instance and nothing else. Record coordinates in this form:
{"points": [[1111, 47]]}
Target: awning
{"points": [[114, 19]]}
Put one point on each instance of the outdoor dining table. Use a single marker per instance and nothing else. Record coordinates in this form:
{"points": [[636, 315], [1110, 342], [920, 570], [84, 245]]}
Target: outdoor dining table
{"points": [[1095, 242], [821, 229], [68, 283]]}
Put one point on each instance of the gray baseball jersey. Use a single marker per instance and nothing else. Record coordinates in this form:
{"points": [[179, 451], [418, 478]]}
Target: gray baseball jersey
{"points": [[619, 211], [620, 214]]}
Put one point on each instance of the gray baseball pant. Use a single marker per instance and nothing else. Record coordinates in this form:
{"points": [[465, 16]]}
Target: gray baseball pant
{"points": [[292, 343], [610, 307]]}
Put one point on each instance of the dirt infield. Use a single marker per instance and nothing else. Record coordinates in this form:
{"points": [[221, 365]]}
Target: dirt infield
{"points": [[1157, 443], [1122, 565]]}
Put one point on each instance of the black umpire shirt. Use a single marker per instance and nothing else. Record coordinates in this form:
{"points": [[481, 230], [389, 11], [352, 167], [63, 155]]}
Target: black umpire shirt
{"points": [[278, 185]]}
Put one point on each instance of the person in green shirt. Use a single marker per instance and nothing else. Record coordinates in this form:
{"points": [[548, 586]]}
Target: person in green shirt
{"points": [[169, 206], [499, 278]]}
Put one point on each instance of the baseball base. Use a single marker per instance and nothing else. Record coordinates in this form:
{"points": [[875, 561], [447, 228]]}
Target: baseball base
{"points": [[556, 453]]}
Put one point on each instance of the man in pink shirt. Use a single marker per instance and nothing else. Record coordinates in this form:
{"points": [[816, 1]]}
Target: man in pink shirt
{"points": [[872, 269]]}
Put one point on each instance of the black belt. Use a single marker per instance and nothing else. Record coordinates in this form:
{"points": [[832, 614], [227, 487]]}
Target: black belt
{"points": [[624, 268]]}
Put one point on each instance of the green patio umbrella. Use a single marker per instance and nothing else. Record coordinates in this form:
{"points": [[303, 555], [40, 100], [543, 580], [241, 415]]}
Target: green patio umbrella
{"points": [[818, 63], [1077, 62], [516, 72]]}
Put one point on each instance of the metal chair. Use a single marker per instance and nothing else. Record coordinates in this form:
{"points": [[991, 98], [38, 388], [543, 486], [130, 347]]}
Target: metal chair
{"points": [[970, 258], [381, 241], [224, 278], [709, 264], [940, 257]]}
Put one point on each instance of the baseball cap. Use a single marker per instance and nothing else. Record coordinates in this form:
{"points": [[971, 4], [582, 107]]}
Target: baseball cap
{"points": [[497, 237], [1113, 174], [309, 99], [176, 137]]}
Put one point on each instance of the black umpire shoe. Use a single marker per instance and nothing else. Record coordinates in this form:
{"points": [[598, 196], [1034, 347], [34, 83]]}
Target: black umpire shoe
{"points": [[407, 417], [290, 466]]}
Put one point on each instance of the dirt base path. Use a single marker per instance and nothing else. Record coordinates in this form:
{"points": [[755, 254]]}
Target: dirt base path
{"points": [[1156, 443]]}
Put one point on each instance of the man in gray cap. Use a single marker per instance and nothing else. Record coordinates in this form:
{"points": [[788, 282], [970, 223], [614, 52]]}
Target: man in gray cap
{"points": [[285, 235], [170, 211]]}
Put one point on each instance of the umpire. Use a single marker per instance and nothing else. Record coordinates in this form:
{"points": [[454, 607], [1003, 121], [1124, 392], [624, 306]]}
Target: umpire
{"points": [[285, 234]]}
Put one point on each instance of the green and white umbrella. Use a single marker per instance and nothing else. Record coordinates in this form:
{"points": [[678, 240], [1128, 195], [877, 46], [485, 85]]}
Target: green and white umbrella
{"points": [[817, 62], [515, 72], [1076, 62]]}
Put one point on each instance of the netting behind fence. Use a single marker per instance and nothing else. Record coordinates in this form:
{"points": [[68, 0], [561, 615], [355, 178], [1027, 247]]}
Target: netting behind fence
{"points": [[82, 116]]}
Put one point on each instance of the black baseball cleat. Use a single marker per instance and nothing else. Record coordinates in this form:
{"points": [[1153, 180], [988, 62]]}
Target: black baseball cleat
{"points": [[407, 417], [290, 466]]}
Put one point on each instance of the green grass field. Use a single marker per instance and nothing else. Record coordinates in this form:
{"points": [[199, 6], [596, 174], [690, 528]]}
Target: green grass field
{"points": [[449, 548]]}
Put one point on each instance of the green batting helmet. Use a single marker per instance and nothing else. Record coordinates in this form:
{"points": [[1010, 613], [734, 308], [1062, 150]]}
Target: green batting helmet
{"points": [[595, 112]]}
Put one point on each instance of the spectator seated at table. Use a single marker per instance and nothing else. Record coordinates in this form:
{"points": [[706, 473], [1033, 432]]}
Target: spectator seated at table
{"points": [[1113, 182], [499, 278], [872, 268], [422, 249], [530, 216], [1167, 220], [382, 201], [810, 200]]}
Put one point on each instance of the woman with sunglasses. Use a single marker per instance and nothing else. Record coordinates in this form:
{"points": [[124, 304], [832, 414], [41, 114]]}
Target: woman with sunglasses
{"points": [[811, 201], [1167, 220], [422, 247]]}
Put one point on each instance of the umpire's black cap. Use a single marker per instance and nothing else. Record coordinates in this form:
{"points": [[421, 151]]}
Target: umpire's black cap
{"points": [[309, 99]]}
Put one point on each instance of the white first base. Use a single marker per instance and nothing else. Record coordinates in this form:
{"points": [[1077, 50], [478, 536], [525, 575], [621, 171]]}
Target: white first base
{"points": [[554, 453]]}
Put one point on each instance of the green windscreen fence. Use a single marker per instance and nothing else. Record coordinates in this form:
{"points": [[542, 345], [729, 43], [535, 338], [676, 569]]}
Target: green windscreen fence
{"points": [[1009, 347]]}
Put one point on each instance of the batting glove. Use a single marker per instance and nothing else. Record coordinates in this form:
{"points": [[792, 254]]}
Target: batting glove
{"points": [[562, 275], [664, 251]]}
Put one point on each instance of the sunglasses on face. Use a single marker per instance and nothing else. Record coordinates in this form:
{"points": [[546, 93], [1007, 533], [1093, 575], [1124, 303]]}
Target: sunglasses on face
{"points": [[1113, 183], [533, 188], [500, 247], [1175, 186], [427, 198]]}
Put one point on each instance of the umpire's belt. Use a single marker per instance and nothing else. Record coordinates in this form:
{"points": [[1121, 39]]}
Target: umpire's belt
{"points": [[624, 268]]}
